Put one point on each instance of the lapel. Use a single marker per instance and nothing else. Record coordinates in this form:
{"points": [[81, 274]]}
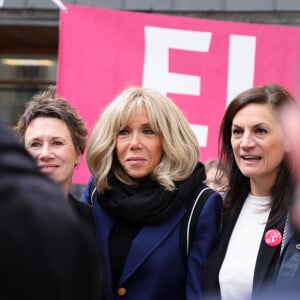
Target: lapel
{"points": [[228, 229], [216, 258], [149, 239], [103, 226], [290, 263], [266, 260], [266, 254]]}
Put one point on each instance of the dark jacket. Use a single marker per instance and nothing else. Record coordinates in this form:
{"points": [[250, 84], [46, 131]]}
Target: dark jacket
{"points": [[85, 215], [289, 266], [266, 262], [154, 268], [45, 253], [285, 285], [83, 211]]}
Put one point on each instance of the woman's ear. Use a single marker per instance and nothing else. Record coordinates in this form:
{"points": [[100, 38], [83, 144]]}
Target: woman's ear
{"points": [[78, 160]]}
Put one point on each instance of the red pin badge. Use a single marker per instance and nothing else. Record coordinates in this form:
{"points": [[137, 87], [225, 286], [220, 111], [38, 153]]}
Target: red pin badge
{"points": [[273, 237]]}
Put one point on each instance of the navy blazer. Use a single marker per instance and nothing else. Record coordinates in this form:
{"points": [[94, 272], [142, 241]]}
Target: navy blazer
{"points": [[266, 262], [155, 268]]}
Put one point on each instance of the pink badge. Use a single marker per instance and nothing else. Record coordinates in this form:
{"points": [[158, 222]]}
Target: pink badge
{"points": [[273, 237]]}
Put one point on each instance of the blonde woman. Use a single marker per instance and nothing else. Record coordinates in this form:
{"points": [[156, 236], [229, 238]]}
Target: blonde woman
{"points": [[143, 156]]}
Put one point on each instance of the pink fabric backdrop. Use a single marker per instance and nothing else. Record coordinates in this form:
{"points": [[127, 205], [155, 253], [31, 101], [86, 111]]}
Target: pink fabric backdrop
{"points": [[200, 64]]}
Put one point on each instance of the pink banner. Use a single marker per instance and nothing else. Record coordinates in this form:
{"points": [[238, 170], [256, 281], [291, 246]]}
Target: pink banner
{"points": [[200, 64]]}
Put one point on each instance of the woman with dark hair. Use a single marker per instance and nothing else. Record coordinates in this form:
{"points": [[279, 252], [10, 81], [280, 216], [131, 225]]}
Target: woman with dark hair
{"points": [[253, 147]]}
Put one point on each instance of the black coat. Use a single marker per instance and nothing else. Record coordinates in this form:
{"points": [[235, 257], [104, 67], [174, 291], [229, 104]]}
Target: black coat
{"points": [[85, 215], [45, 253], [265, 264], [289, 266], [286, 283], [83, 211]]}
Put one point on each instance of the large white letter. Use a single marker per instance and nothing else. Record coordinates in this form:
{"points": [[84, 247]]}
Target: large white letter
{"points": [[158, 41], [156, 73], [241, 63]]}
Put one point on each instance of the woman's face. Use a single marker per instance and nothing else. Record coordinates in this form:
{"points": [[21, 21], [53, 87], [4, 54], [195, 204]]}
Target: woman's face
{"points": [[49, 142], [257, 142], [138, 148]]}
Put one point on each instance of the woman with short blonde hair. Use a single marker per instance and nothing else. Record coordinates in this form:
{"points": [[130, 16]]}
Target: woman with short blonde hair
{"points": [[180, 146], [143, 156]]}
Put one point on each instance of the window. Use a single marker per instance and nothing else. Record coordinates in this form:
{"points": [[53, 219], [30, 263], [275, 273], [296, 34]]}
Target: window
{"points": [[22, 76]]}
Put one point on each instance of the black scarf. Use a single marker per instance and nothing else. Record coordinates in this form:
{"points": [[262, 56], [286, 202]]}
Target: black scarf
{"points": [[149, 203]]}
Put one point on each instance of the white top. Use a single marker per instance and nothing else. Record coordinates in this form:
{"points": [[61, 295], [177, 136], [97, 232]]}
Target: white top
{"points": [[237, 271]]}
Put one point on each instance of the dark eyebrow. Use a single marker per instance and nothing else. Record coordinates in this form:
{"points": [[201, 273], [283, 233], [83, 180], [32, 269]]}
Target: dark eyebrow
{"points": [[260, 124], [236, 126], [256, 125]]}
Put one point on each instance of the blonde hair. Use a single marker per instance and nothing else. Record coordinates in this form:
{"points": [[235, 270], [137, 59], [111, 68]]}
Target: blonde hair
{"points": [[179, 143]]}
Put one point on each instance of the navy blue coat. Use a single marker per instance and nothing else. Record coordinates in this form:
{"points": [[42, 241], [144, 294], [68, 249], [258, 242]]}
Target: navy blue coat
{"points": [[155, 267]]}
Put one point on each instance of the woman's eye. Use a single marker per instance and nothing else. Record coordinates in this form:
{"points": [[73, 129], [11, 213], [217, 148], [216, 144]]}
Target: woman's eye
{"points": [[123, 132], [34, 145], [261, 131], [236, 131], [58, 143], [148, 130]]}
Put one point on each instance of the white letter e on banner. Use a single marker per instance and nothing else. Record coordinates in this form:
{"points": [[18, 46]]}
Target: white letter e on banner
{"points": [[156, 73], [156, 64]]}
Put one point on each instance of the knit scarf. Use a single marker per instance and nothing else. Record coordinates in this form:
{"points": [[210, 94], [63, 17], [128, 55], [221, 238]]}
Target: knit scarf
{"points": [[149, 202]]}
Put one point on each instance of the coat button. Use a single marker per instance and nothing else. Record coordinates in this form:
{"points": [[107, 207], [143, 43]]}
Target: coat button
{"points": [[121, 291]]}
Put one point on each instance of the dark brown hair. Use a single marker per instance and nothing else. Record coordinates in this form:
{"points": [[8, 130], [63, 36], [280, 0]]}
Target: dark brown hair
{"points": [[49, 104], [239, 185]]}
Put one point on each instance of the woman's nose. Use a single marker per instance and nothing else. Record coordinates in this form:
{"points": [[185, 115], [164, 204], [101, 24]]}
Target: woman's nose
{"points": [[247, 141], [45, 151], [135, 140]]}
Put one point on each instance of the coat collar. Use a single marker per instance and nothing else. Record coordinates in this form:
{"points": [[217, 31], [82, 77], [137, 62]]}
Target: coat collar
{"points": [[148, 239], [267, 259]]}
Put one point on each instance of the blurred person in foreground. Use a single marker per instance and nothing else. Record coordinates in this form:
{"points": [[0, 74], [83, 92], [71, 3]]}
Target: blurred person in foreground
{"points": [[254, 148], [45, 252], [289, 265], [143, 156], [285, 284]]}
